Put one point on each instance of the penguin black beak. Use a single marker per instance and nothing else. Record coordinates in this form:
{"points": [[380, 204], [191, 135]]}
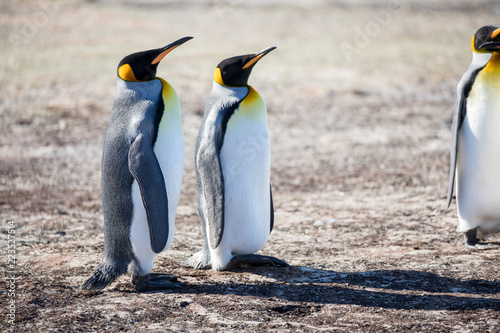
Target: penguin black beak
{"points": [[490, 46], [258, 56], [166, 50]]}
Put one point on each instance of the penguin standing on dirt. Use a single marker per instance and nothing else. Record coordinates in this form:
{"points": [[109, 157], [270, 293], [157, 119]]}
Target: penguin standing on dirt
{"points": [[475, 151], [142, 167], [232, 162]]}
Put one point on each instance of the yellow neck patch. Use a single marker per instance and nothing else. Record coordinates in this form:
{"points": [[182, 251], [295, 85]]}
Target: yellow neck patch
{"points": [[126, 73], [490, 74], [253, 107], [170, 100], [492, 70], [168, 91]]}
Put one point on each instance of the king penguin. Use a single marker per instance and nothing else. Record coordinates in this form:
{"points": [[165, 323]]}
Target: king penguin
{"points": [[142, 168], [232, 163], [475, 153]]}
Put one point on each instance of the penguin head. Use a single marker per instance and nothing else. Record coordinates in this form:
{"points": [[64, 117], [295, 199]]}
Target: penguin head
{"points": [[235, 71], [141, 66], [486, 39]]}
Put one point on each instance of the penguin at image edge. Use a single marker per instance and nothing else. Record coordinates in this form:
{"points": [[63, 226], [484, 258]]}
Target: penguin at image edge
{"points": [[142, 168], [475, 153], [232, 163]]}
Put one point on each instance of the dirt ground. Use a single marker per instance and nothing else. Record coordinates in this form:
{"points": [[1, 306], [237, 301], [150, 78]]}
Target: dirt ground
{"points": [[360, 96]]}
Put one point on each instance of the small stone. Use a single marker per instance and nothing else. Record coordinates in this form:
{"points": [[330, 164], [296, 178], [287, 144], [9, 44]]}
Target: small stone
{"points": [[319, 223], [333, 221]]}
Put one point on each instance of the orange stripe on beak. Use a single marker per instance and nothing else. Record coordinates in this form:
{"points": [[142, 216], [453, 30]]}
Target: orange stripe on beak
{"points": [[495, 33], [253, 61], [162, 55]]}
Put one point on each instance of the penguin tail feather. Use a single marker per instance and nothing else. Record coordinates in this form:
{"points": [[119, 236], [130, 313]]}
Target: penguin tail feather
{"points": [[199, 260], [103, 275]]}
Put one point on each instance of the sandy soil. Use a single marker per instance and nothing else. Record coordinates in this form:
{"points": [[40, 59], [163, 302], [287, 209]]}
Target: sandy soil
{"points": [[360, 96]]}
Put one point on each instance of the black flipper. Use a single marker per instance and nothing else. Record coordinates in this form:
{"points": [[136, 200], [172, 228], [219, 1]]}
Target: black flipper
{"points": [[210, 170], [146, 170], [272, 208], [458, 119], [465, 87], [209, 167]]}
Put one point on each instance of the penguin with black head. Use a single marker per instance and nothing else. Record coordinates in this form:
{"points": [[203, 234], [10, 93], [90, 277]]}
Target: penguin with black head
{"points": [[232, 163], [475, 149], [142, 168]]}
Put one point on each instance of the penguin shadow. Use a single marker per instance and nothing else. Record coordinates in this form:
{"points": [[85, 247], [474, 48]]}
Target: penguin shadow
{"points": [[402, 290]]}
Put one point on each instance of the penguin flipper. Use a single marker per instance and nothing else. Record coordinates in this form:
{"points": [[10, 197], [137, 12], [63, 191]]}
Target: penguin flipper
{"points": [[464, 88], [458, 119], [209, 167], [146, 170], [209, 171], [272, 208]]}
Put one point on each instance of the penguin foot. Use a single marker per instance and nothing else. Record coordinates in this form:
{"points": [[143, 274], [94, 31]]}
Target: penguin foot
{"points": [[472, 242], [255, 260], [155, 281], [476, 245]]}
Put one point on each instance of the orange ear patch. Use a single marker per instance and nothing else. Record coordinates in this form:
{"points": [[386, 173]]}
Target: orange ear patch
{"points": [[218, 76], [126, 73]]}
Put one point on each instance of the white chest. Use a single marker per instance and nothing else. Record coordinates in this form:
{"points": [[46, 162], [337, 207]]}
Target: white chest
{"points": [[478, 164], [245, 161]]}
